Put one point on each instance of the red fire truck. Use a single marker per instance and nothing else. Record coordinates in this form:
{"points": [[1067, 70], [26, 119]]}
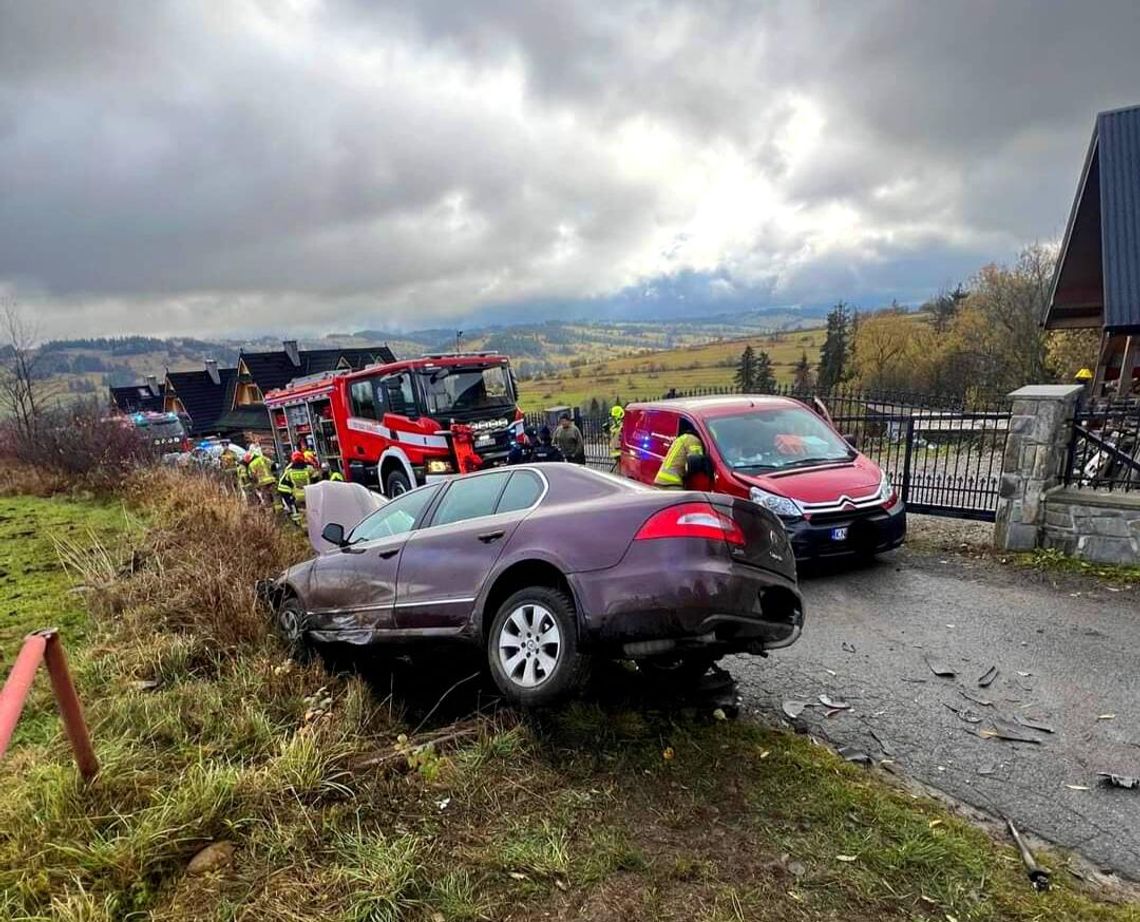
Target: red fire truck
{"points": [[396, 426]]}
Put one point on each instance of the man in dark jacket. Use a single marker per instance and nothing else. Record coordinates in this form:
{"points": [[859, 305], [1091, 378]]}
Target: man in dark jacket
{"points": [[568, 440], [544, 450]]}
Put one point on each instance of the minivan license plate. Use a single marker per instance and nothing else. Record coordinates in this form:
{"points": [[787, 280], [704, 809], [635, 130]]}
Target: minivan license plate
{"points": [[839, 534], [484, 440]]}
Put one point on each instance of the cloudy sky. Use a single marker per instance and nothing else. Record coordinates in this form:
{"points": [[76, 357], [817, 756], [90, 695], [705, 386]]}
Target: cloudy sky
{"points": [[311, 165]]}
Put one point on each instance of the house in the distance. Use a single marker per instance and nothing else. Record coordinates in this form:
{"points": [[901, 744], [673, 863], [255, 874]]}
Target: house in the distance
{"points": [[138, 398], [201, 396]]}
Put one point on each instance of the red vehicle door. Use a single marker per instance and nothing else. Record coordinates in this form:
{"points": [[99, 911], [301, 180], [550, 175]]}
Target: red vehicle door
{"points": [[447, 561], [646, 441]]}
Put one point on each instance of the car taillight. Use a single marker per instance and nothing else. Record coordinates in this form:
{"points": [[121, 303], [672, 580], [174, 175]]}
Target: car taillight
{"points": [[691, 520]]}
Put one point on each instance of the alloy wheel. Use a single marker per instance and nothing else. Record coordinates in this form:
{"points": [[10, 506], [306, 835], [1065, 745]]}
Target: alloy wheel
{"points": [[530, 646]]}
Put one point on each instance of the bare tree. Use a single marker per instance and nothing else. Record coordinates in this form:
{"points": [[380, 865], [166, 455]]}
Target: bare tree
{"points": [[25, 390]]}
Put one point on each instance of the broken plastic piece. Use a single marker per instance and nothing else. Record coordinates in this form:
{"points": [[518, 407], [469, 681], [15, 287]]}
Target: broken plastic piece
{"points": [[986, 679], [940, 669], [887, 751], [984, 702], [829, 702], [1004, 731], [794, 709], [964, 714], [851, 754], [848, 647], [1033, 724], [1119, 781]]}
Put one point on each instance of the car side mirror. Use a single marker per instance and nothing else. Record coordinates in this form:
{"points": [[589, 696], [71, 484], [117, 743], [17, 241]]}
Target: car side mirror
{"points": [[333, 533]]}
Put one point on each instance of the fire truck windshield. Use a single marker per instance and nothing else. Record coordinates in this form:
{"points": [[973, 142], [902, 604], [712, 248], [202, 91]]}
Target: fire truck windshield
{"points": [[466, 390]]}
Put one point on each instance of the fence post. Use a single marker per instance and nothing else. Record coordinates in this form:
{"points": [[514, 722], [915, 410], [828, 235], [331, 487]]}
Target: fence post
{"points": [[908, 451], [70, 710], [15, 690], [1040, 429]]}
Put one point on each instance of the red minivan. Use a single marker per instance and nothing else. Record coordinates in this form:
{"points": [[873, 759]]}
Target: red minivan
{"points": [[782, 455]]}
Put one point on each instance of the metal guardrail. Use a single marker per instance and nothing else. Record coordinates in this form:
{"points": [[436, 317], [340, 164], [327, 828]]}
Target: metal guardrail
{"points": [[45, 646]]}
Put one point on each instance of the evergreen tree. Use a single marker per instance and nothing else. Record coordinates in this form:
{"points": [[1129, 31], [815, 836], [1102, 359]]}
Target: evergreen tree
{"points": [[763, 379], [745, 377], [835, 354], [801, 373], [595, 409]]}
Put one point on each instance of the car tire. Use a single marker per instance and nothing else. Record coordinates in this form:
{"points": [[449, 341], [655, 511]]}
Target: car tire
{"points": [[532, 647], [396, 483], [681, 669], [289, 621]]}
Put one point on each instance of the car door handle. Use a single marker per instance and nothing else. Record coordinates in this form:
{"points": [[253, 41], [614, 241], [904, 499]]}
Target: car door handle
{"points": [[488, 536], [388, 555]]}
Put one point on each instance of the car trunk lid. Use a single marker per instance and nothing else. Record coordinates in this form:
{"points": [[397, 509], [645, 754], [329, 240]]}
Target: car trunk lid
{"points": [[765, 541]]}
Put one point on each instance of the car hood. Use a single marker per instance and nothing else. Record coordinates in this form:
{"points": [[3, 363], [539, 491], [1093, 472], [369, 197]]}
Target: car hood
{"points": [[822, 484]]}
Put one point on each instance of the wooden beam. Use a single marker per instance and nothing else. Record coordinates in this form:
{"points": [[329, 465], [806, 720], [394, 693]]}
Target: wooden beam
{"points": [[1127, 364]]}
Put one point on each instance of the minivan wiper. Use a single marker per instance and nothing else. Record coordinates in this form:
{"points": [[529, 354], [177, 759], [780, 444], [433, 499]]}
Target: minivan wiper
{"points": [[808, 462]]}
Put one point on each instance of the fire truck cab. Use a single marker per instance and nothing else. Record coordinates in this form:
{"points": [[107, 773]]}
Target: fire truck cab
{"points": [[393, 427]]}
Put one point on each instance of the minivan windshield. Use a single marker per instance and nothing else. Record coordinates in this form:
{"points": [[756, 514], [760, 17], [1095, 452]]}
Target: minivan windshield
{"points": [[776, 439], [449, 390]]}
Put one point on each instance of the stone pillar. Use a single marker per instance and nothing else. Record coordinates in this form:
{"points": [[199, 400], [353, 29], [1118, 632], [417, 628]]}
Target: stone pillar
{"points": [[1034, 461]]}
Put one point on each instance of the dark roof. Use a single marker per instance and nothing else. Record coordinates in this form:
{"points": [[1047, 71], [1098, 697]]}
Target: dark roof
{"points": [[272, 370], [137, 398], [242, 418], [1097, 282], [205, 401]]}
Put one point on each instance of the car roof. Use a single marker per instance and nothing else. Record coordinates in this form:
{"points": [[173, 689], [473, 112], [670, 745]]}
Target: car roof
{"points": [[717, 406]]}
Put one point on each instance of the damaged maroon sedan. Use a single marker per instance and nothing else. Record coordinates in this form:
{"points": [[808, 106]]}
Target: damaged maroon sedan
{"points": [[545, 566]]}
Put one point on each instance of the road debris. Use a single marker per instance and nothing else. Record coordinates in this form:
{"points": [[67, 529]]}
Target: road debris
{"points": [[1033, 724], [829, 702], [940, 669], [846, 858], [851, 754], [988, 769], [1077, 787], [986, 679], [1024, 675], [887, 751], [213, 857], [964, 713], [145, 684], [834, 711], [847, 647], [984, 702], [794, 709], [1004, 731], [1038, 876], [1106, 717], [1119, 781]]}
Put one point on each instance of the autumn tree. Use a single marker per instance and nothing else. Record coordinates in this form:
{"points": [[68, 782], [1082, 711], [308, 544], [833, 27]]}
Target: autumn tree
{"points": [[893, 350], [25, 390]]}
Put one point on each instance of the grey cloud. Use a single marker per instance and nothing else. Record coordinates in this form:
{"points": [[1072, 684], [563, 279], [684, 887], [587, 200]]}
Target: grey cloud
{"points": [[256, 164]]}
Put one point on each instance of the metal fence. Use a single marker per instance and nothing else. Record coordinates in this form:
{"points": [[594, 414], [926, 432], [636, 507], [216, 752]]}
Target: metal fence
{"points": [[943, 452], [1104, 451]]}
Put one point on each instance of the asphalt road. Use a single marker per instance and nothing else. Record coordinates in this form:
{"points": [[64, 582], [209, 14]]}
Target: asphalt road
{"points": [[1067, 652]]}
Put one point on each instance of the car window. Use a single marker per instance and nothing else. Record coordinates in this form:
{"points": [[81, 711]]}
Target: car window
{"points": [[771, 439], [396, 518], [523, 490], [470, 497]]}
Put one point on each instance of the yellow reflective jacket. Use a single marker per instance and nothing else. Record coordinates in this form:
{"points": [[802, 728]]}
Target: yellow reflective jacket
{"points": [[261, 470], [294, 480], [672, 471]]}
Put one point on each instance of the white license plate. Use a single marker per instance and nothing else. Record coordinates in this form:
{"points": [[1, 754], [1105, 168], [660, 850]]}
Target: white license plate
{"points": [[485, 440], [839, 534]]}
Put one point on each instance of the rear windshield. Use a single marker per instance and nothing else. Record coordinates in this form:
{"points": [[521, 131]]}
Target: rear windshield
{"points": [[775, 439]]}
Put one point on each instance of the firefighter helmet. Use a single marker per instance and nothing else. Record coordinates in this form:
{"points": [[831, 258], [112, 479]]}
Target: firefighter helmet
{"points": [[617, 412], [297, 457], [1083, 375]]}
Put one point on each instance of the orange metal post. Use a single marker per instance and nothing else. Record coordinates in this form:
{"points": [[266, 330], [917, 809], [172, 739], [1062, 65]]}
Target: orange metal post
{"points": [[15, 690], [70, 710]]}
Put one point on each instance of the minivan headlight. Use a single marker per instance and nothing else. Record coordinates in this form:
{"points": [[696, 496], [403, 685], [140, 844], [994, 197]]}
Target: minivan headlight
{"points": [[886, 488], [781, 505]]}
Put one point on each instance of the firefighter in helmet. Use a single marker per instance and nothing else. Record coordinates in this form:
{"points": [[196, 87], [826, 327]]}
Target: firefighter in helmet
{"points": [[261, 474], [613, 427], [291, 487], [243, 476], [685, 447]]}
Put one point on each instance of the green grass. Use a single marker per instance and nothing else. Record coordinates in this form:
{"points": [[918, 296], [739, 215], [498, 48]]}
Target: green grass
{"points": [[592, 811], [1051, 560]]}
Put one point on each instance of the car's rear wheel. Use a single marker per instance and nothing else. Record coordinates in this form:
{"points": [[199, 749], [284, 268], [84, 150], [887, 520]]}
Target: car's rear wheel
{"points": [[532, 647], [678, 669], [290, 622]]}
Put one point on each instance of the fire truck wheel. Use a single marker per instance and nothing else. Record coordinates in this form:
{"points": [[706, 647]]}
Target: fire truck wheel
{"points": [[396, 483]]}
